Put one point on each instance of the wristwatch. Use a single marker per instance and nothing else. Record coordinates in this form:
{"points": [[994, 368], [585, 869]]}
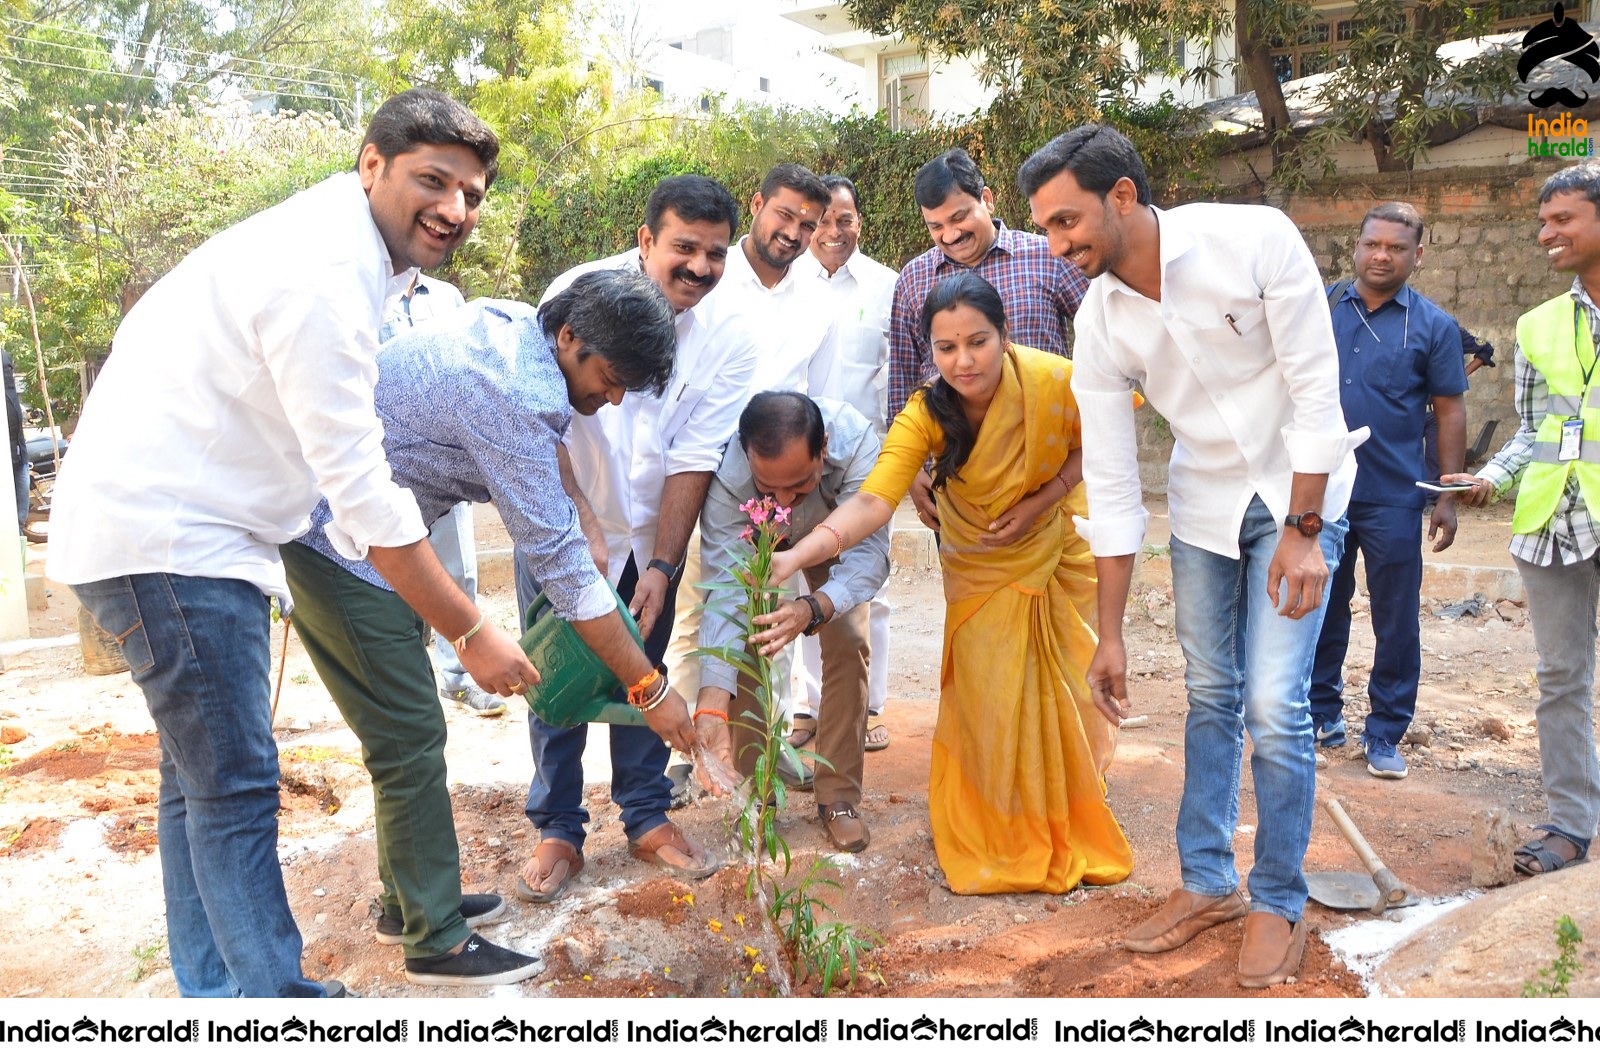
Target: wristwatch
{"points": [[1308, 523], [816, 615], [666, 568]]}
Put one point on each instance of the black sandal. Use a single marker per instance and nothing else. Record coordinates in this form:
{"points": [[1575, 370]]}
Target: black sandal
{"points": [[1535, 852]]}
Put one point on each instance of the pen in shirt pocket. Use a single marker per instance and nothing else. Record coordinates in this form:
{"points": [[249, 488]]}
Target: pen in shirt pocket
{"points": [[1232, 323]]}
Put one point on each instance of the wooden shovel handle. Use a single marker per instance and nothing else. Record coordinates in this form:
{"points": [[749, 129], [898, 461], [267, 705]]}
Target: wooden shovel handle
{"points": [[1389, 885]]}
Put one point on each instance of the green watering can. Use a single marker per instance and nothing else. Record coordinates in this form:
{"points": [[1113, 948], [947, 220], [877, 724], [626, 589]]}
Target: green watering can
{"points": [[575, 687]]}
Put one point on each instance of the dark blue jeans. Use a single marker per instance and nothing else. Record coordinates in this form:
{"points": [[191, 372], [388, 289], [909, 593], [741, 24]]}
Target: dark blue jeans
{"points": [[1390, 540], [198, 649], [639, 784]]}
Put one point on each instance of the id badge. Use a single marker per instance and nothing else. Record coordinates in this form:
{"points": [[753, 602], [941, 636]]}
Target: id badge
{"points": [[1571, 440]]}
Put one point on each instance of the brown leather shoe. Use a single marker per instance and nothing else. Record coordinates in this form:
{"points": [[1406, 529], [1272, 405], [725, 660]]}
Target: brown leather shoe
{"points": [[1185, 915], [846, 830], [1271, 950]]}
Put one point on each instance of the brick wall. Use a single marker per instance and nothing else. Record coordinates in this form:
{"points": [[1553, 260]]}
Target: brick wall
{"points": [[1481, 263]]}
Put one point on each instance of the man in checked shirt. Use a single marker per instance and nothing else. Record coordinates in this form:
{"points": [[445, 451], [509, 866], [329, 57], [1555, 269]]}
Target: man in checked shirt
{"points": [[1040, 293], [1554, 537]]}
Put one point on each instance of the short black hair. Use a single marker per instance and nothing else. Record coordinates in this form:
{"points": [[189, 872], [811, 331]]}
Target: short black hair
{"points": [[693, 198], [1401, 213], [1583, 177], [421, 116], [1097, 155], [833, 182], [622, 316], [952, 171], [798, 178], [775, 418]]}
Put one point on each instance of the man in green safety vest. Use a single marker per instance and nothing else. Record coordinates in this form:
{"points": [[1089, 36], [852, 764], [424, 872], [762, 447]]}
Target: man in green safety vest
{"points": [[1555, 535]]}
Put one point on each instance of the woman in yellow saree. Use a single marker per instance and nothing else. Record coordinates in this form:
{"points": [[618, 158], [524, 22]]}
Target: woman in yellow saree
{"points": [[1015, 795]]}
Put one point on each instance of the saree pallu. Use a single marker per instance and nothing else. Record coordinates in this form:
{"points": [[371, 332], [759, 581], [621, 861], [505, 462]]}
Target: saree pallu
{"points": [[1016, 795]]}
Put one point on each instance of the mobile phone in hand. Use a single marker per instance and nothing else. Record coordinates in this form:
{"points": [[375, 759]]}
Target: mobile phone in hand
{"points": [[1435, 486]]}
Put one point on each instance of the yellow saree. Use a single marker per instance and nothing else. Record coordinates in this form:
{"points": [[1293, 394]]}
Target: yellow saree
{"points": [[1015, 795]]}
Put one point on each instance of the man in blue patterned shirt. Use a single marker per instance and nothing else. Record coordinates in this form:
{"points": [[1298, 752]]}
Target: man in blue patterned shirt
{"points": [[472, 409]]}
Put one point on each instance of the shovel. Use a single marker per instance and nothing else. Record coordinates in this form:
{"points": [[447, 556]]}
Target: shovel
{"points": [[1376, 890]]}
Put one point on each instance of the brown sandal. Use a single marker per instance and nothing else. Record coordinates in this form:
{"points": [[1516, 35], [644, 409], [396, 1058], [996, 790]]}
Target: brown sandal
{"points": [[649, 847], [802, 731], [553, 860]]}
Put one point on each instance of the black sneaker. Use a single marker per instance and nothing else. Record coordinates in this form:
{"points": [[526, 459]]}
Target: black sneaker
{"points": [[475, 909], [480, 963]]}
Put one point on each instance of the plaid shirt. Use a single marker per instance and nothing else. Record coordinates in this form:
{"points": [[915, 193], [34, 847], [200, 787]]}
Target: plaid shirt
{"points": [[1572, 533], [1040, 292]]}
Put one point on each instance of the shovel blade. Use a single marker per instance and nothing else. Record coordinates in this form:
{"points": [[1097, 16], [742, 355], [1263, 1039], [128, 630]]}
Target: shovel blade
{"points": [[1348, 890]]}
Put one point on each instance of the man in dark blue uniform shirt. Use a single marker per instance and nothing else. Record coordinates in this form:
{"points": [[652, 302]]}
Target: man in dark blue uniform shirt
{"points": [[1397, 350]]}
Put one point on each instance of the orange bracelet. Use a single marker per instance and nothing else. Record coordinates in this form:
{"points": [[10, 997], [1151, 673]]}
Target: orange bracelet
{"points": [[636, 691], [711, 713]]}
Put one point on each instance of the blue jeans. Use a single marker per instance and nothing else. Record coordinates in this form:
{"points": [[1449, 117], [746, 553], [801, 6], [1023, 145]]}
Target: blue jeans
{"points": [[198, 649], [1248, 669], [639, 784], [1391, 540]]}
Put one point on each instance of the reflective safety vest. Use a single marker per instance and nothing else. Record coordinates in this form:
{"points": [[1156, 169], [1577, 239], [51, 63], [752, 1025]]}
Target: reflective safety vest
{"points": [[1558, 344]]}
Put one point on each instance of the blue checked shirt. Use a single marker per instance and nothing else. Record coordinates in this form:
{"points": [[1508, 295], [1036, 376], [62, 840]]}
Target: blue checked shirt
{"points": [[473, 406], [1041, 294], [1571, 533]]}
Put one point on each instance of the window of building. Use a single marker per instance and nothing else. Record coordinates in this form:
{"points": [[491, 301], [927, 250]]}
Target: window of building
{"points": [[903, 90]]}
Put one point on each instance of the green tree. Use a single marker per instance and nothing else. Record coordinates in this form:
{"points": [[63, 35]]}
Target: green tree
{"points": [[1054, 62], [1394, 90]]}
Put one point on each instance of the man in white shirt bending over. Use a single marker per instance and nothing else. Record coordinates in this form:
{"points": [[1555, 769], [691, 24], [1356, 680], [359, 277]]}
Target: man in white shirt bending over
{"points": [[238, 393], [860, 295], [1217, 313]]}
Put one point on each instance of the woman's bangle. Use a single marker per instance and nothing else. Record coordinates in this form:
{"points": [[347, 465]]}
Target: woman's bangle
{"points": [[711, 714], [461, 641], [1063, 481], [657, 698], [837, 536]]}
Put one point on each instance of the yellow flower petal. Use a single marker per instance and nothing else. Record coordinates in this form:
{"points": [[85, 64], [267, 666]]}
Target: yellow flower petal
{"points": [[751, 951], [757, 968], [714, 925]]}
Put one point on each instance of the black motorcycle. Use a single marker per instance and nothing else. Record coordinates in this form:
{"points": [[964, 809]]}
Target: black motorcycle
{"points": [[44, 452]]}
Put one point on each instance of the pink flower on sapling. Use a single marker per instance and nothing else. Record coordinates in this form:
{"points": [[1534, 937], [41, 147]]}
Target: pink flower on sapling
{"points": [[781, 515]]}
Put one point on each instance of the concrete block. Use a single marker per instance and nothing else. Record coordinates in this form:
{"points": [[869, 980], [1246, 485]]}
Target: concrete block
{"points": [[38, 596], [1445, 233]]}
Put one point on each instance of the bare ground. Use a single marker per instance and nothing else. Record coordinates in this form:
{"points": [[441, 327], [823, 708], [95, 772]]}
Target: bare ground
{"points": [[78, 862]]}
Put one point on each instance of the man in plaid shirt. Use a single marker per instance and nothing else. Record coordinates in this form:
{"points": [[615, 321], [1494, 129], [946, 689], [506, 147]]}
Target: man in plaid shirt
{"points": [[1040, 293], [1555, 456]]}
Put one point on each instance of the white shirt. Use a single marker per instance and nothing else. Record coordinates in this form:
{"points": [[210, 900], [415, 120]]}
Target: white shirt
{"points": [[428, 298], [238, 393], [1238, 356], [863, 296], [790, 322], [622, 454]]}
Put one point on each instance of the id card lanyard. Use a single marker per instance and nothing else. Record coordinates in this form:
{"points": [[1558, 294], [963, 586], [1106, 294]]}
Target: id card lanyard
{"points": [[1572, 428]]}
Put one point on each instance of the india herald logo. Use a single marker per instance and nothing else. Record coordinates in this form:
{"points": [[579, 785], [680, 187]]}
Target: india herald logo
{"points": [[1559, 39]]}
